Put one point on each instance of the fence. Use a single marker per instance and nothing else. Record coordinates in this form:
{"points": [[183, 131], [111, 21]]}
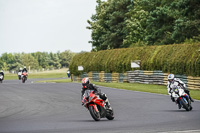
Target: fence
{"points": [[139, 76]]}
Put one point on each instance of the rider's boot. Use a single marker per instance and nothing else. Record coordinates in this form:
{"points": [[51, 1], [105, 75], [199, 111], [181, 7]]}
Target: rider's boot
{"points": [[189, 95], [191, 99], [107, 104], [179, 106]]}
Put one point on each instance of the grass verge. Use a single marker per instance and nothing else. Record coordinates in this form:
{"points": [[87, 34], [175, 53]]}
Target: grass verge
{"points": [[47, 74], [159, 89], [55, 81]]}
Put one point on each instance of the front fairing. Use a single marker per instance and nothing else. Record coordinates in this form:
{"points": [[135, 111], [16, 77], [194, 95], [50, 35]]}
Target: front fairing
{"points": [[90, 97]]}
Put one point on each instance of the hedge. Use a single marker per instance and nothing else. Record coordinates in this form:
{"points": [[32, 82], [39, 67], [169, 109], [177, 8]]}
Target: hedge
{"points": [[176, 58]]}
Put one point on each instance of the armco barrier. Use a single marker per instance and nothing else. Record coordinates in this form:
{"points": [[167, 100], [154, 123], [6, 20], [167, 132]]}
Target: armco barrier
{"points": [[139, 76], [95, 76]]}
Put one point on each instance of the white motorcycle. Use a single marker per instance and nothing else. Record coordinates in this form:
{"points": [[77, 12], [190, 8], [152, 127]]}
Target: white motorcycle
{"points": [[1, 78], [19, 75], [181, 98]]}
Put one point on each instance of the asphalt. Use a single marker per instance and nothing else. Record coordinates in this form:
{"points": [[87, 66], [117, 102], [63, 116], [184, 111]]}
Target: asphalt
{"points": [[56, 108]]}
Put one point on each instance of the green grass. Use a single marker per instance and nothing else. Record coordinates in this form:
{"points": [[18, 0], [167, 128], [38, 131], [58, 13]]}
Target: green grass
{"points": [[159, 89], [55, 81], [47, 74]]}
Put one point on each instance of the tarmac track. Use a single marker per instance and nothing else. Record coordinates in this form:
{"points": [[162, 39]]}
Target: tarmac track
{"points": [[56, 108]]}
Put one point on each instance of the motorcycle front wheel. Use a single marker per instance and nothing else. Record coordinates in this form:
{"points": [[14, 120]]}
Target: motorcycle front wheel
{"points": [[185, 106], [95, 115], [23, 80], [110, 115]]}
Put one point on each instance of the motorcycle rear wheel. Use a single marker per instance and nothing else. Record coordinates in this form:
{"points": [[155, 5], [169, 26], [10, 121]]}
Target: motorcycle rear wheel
{"points": [[95, 115]]}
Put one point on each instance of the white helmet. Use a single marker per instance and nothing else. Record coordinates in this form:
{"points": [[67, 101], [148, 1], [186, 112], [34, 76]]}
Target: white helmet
{"points": [[24, 66], [85, 82], [20, 68], [171, 77], [1, 70]]}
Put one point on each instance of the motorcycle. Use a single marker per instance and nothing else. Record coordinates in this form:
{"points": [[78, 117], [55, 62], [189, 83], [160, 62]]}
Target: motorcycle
{"points": [[19, 75], [181, 98], [96, 106], [24, 77], [1, 78]]}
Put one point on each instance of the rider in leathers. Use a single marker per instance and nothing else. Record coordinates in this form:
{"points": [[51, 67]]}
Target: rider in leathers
{"points": [[24, 70], [176, 81], [2, 74], [88, 86]]}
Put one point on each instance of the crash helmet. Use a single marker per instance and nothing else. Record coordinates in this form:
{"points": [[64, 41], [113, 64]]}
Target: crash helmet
{"points": [[171, 78], [24, 66], [2, 71], [85, 82], [20, 68]]}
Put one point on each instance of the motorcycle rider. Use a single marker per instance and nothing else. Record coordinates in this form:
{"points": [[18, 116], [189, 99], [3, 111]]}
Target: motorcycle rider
{"points": [[88, 86], [176, 81], [2, 73], [24, 70], [19, 73]]}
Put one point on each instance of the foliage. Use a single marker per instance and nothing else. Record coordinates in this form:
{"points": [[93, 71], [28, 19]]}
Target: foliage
{"points": [[38, 60], [127, 23], [177, 58], [107, 24]]}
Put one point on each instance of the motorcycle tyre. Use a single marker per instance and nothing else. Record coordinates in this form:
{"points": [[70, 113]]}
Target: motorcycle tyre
{"points": [[185, 106], [110, 116], [95, 115], [23, 80]]}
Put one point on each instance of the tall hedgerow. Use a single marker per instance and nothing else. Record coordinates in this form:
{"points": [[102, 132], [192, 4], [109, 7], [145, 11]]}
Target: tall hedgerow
{"points": [[176, 58]]}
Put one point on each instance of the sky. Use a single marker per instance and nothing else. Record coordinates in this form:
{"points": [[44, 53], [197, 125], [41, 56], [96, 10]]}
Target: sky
{"points": [[45, 25]]}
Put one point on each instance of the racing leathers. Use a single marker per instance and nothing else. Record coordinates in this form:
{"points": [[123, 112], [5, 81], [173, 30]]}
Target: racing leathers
{"points": [[98, 92], [180, 83], [24, 70], [1, 73]]}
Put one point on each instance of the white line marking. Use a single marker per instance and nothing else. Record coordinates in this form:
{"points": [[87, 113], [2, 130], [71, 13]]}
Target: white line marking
{"points": [[186, 131]]}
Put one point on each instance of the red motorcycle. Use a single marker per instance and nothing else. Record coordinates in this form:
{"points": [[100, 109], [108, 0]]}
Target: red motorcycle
{"points": [[24, 77], [96, 106]]}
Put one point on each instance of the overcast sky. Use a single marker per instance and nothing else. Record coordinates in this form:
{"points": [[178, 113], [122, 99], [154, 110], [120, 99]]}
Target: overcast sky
{"points": [[45, 25]]}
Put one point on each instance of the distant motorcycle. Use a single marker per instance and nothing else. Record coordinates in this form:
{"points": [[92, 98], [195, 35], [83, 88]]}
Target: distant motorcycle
{"points": [[1, 78], [19, 75], [24, 77], [96, 106], [181, 97]]}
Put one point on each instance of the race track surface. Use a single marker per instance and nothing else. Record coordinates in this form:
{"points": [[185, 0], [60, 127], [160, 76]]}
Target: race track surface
{"points": [[56, 108]]}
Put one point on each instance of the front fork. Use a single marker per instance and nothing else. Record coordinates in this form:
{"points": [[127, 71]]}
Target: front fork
{"points": [[95, 107]]}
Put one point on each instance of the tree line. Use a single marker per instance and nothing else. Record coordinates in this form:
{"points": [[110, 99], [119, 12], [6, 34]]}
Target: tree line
{"points": [[129, 23], [38, 60]]}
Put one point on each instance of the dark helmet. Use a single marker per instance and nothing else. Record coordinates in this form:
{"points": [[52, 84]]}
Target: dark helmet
{"points": [[85, 82]]}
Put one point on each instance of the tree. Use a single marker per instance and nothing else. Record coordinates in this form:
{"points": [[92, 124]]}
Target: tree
{"points": [[66, 58], [108, 24], [29, 60], [136, 23]]}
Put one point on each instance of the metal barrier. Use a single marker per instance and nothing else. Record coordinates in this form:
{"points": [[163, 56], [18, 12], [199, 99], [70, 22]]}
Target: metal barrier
{"points": [[108, 77], [140, 76], [95, 76]]}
